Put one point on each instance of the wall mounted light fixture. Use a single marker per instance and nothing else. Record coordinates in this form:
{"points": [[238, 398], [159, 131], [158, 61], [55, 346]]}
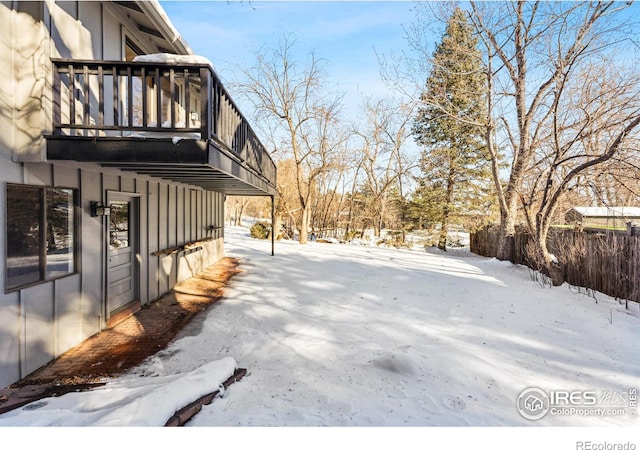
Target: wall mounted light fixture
{"points": [[98, 209]]}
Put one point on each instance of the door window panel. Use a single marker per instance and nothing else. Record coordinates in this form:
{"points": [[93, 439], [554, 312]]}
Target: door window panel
{"points": [[119, 225]]}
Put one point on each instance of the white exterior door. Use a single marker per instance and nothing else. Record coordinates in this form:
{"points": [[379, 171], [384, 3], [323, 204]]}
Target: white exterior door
{"points": [[122, 267]]}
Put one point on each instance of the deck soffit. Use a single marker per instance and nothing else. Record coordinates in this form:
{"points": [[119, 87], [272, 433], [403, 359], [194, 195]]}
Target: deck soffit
{"points": [[188, 161]]}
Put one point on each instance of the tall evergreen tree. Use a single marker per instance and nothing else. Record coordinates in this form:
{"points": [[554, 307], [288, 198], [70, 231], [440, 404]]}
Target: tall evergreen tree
{"points": [[454, 162]]}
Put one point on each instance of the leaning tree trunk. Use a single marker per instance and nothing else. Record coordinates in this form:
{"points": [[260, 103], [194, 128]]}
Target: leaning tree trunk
{"points": [[506, 238], [550, 264], [506, 242]]}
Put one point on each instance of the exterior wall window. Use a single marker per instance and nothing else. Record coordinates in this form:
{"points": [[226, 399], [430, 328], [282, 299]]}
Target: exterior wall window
{"points": [[41, 234]]}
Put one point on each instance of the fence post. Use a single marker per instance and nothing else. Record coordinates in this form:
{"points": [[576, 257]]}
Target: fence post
{"points": [[633, 229]]}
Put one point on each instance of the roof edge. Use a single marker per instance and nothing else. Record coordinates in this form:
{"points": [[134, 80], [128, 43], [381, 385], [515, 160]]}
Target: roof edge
{"points": [[154, 10]]}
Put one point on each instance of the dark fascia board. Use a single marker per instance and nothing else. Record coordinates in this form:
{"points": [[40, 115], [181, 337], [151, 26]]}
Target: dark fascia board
{"points": [[129, 5], [122, 149], [154, 12], [150, 31]]}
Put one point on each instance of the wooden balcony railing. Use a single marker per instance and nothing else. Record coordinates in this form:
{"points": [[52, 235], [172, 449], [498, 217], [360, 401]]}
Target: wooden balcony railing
{"points": [[144, 99]]}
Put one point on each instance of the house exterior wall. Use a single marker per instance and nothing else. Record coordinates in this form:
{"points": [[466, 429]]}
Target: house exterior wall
{"points": [[35, 33], [572, 217], [615, 222], [42, 321]]}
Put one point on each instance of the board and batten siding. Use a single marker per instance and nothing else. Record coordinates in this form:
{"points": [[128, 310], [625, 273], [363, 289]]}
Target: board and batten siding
{"points": [[40, 322]]}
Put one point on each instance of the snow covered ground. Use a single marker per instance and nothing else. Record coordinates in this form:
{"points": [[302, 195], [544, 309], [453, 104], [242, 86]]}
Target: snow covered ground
{"points": [[355, 337]]}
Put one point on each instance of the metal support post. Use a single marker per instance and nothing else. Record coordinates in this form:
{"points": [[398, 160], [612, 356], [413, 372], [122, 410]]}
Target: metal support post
{"points": [[273, 225]]}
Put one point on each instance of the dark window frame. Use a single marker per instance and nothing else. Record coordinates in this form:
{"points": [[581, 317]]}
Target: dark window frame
{"points": [[42, 239]]}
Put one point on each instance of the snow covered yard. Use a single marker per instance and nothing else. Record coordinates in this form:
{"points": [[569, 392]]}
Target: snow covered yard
{"points": [[346, 335]]}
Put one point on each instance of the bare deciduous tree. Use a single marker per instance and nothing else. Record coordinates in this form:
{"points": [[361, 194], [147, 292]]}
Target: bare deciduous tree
{"points": [[292, 105], [384, 159], [538, 54]]}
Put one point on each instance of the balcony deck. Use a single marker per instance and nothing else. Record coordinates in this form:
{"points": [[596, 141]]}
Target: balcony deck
{"points": [[175, 122]]}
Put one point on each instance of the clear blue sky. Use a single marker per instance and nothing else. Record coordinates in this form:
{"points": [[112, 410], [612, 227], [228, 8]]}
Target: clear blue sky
{"points": [[346, 35]]}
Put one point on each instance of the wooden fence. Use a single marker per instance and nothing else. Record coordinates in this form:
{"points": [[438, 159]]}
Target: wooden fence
{"points": [[607, 262]]}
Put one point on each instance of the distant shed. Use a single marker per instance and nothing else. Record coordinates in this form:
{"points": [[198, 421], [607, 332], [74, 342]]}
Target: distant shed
{"points": [[608, 216]]}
